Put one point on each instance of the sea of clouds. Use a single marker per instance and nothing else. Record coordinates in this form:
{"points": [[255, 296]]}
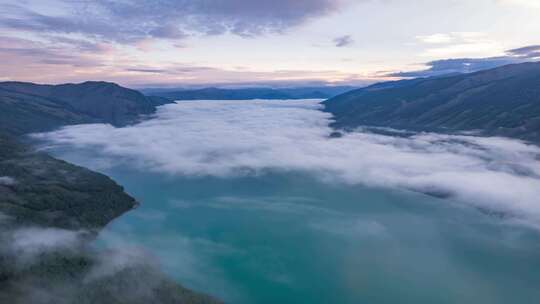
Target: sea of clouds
{"points": [[232, 138]]}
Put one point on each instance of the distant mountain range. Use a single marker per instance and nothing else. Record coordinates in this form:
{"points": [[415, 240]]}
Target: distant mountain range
{"points": [[504, 101], [322, 92]]}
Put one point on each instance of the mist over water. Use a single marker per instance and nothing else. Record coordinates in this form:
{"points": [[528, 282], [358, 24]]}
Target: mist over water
{"points": [[254, 202]]}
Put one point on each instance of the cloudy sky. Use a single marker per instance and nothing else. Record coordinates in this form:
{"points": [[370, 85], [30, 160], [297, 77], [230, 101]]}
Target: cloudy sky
{"points": [[246, 42]]}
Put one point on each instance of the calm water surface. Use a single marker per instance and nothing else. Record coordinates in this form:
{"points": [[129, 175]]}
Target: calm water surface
{"points": [[289, 238], [290, 235]]}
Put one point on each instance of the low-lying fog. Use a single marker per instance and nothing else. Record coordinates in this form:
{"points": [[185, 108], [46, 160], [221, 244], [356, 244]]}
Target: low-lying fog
{"points": [[239, 138]]}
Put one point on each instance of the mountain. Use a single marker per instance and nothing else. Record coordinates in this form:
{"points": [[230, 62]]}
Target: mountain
{"points": [[22, 113], [504, 101], [323, 92], [49, 192], [27, 107], [51, 210]]}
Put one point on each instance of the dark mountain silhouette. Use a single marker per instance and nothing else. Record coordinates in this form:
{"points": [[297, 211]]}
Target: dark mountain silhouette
{"points": [[27, 107], [323, 92]]}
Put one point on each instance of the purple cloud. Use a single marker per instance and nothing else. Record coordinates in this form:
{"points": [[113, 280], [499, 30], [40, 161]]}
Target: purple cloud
{"points": [[470, 65], [129, 21], [343, 41]]}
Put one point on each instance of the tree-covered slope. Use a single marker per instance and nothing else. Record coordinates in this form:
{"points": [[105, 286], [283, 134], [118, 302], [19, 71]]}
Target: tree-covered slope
{"points": [[50, 210], [504, 101], [45, 191]]}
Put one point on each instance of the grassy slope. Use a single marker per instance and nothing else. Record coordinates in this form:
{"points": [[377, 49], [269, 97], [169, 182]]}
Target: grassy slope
{"points": [[22, 113], [503, 101], [68, 103]]}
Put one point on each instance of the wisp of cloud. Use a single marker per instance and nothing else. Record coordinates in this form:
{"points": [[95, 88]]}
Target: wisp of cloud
{"points": [[232, 138]]}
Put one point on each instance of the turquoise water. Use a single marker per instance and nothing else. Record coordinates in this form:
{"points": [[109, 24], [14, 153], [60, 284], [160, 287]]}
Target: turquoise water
{"points": [[286, 237], [252, 202]]}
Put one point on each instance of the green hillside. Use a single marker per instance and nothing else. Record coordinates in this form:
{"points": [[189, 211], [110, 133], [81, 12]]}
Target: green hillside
{"points": [[50, 201], [504, 101]]}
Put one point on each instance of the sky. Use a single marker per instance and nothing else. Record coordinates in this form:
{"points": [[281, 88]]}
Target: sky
{"points": [[184, 43]]}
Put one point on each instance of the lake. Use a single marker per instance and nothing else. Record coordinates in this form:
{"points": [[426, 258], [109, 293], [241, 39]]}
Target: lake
{"points": [[254, 202]]}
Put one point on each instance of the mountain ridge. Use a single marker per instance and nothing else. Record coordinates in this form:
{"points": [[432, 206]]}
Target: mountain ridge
{"points": [[90, 101], [215, 93], [504, 101]]}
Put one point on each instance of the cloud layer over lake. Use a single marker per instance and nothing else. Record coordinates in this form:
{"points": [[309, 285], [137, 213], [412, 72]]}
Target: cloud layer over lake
{"points": [[233, 138]]}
